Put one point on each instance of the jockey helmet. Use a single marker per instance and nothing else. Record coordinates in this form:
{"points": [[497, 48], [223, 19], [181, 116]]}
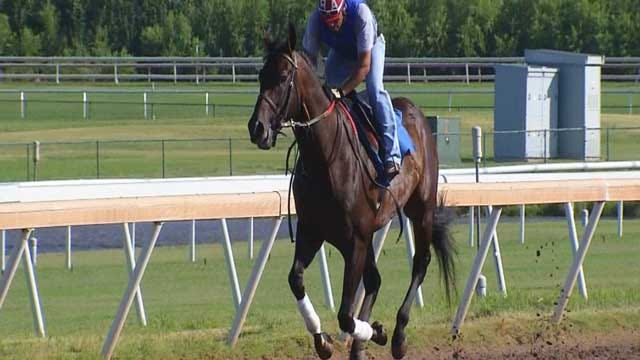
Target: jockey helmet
{"points": [[330, 9]]}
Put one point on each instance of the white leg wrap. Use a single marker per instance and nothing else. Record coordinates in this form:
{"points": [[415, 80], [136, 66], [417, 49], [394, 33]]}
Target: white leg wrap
{"points": [[363, 331], [311, 319]]}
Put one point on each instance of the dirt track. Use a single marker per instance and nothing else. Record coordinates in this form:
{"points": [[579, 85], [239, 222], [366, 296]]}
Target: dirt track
{"points": [[620, 344]]}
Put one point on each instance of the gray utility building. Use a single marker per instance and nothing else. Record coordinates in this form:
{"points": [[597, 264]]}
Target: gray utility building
{"points": [[579, 100], [526, 108], [566, 125]]}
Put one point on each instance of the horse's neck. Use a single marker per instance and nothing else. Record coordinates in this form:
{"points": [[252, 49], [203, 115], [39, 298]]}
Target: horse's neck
{"points": [[329, 147]]}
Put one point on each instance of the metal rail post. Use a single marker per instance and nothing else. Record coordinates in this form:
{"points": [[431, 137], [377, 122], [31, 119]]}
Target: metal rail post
{"points": [[252, 285], [577, 262], [127, 299]]}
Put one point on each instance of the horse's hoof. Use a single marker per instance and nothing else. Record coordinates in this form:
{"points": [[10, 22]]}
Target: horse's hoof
{"points": [[398, 345], [379, 335], [323, 344]]}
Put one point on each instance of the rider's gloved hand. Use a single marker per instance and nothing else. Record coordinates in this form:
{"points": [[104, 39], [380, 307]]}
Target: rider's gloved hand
{"points": [[337, 93]]}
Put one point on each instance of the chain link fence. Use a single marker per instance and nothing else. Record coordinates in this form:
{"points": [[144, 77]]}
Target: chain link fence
{"points": [[166, 158]]}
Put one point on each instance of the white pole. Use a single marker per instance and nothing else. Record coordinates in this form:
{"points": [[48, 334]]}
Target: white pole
{"points": [[206, 103], [115, 73], [585, 217], [193, 241], [233, 73], [23, 104], [3, 249], [175, 74], [57, 73], [250, 238], [129, 255], [14, 261], [471, 225], [231, 266], [522, 221], [252, 285], [34, 295], [466, 68], [577, 261], [133, 237], [326, 280], [481, 256], [144, 102], [411, 251], [620, 217], [497, 258], [127, 299], [408, 74], [573, 238], [85, 105], [68, 252], [34, 249]]}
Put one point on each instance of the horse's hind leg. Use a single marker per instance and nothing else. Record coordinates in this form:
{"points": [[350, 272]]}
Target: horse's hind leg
{"points": [[422, 225], [371, 280], [308, 243]]}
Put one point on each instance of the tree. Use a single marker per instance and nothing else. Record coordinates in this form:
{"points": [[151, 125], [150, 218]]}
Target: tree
{"points": [[7, 37], [50, 34], [255, 24], [151, 41], [29, 44], [398, 27], [431, 27], [177, 36], [513, 28], [101, 43]]}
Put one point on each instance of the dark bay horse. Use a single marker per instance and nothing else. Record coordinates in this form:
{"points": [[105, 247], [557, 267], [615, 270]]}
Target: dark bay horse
{"points": [[337, 200]]}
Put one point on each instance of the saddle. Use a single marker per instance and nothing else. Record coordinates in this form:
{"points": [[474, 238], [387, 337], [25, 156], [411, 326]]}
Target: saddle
{"points": [[363, 120]]}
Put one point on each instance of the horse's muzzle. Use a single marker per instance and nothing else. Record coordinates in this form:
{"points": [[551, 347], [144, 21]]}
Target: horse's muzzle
{"points": [[260, 135]]}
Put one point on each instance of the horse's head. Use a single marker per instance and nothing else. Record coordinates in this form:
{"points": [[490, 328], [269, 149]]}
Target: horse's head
{"points": [[278, 97]]}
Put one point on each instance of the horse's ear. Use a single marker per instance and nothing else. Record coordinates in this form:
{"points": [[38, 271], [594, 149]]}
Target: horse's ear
{"points": [[292, 37], [266, 39]]}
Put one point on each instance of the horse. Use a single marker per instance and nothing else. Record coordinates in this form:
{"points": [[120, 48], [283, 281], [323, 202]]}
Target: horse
{"points": [[338, 200]]}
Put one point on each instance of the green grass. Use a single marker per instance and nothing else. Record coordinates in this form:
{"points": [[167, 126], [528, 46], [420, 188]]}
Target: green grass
{"points": [[96, 147], [189, 305]]}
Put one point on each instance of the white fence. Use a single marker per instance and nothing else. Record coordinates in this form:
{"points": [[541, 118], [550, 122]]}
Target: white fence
{"points": [[203, 69], [208, 101]]}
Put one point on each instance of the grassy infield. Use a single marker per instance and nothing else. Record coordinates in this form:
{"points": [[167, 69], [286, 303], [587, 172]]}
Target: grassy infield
{"points": [[56, 121], [189, 306]]}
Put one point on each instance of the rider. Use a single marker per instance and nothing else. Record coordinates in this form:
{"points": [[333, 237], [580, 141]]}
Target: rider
{"points": [[357, 52]]}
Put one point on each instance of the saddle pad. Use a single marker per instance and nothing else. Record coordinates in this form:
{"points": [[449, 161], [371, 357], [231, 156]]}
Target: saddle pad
{"points": [[362, 125]]}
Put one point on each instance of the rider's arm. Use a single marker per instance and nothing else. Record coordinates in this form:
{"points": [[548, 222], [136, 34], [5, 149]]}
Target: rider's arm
{"points": [[360, 73], [311, 39], [365, 36]]}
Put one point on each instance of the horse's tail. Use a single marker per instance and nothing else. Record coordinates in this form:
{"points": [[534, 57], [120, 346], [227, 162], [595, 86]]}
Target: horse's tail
{"points": [[444, 247]]}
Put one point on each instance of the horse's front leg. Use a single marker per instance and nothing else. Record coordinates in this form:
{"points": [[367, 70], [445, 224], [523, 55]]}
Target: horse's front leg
{"points": [[307, 245], [359, 330]]}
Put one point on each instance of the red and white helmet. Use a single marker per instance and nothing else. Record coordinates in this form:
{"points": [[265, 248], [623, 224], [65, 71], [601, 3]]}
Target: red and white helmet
{"points": [[330, 8]]}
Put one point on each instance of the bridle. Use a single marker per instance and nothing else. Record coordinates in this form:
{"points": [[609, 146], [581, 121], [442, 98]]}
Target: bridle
{"points": [[282, 112]]}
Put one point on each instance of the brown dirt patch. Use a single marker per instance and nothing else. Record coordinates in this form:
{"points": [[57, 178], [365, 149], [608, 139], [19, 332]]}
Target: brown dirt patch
{"points": [[618, 344]]}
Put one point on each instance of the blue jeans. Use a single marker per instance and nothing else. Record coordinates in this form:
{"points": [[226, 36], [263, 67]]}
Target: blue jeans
{"points": [[337, 71]]}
